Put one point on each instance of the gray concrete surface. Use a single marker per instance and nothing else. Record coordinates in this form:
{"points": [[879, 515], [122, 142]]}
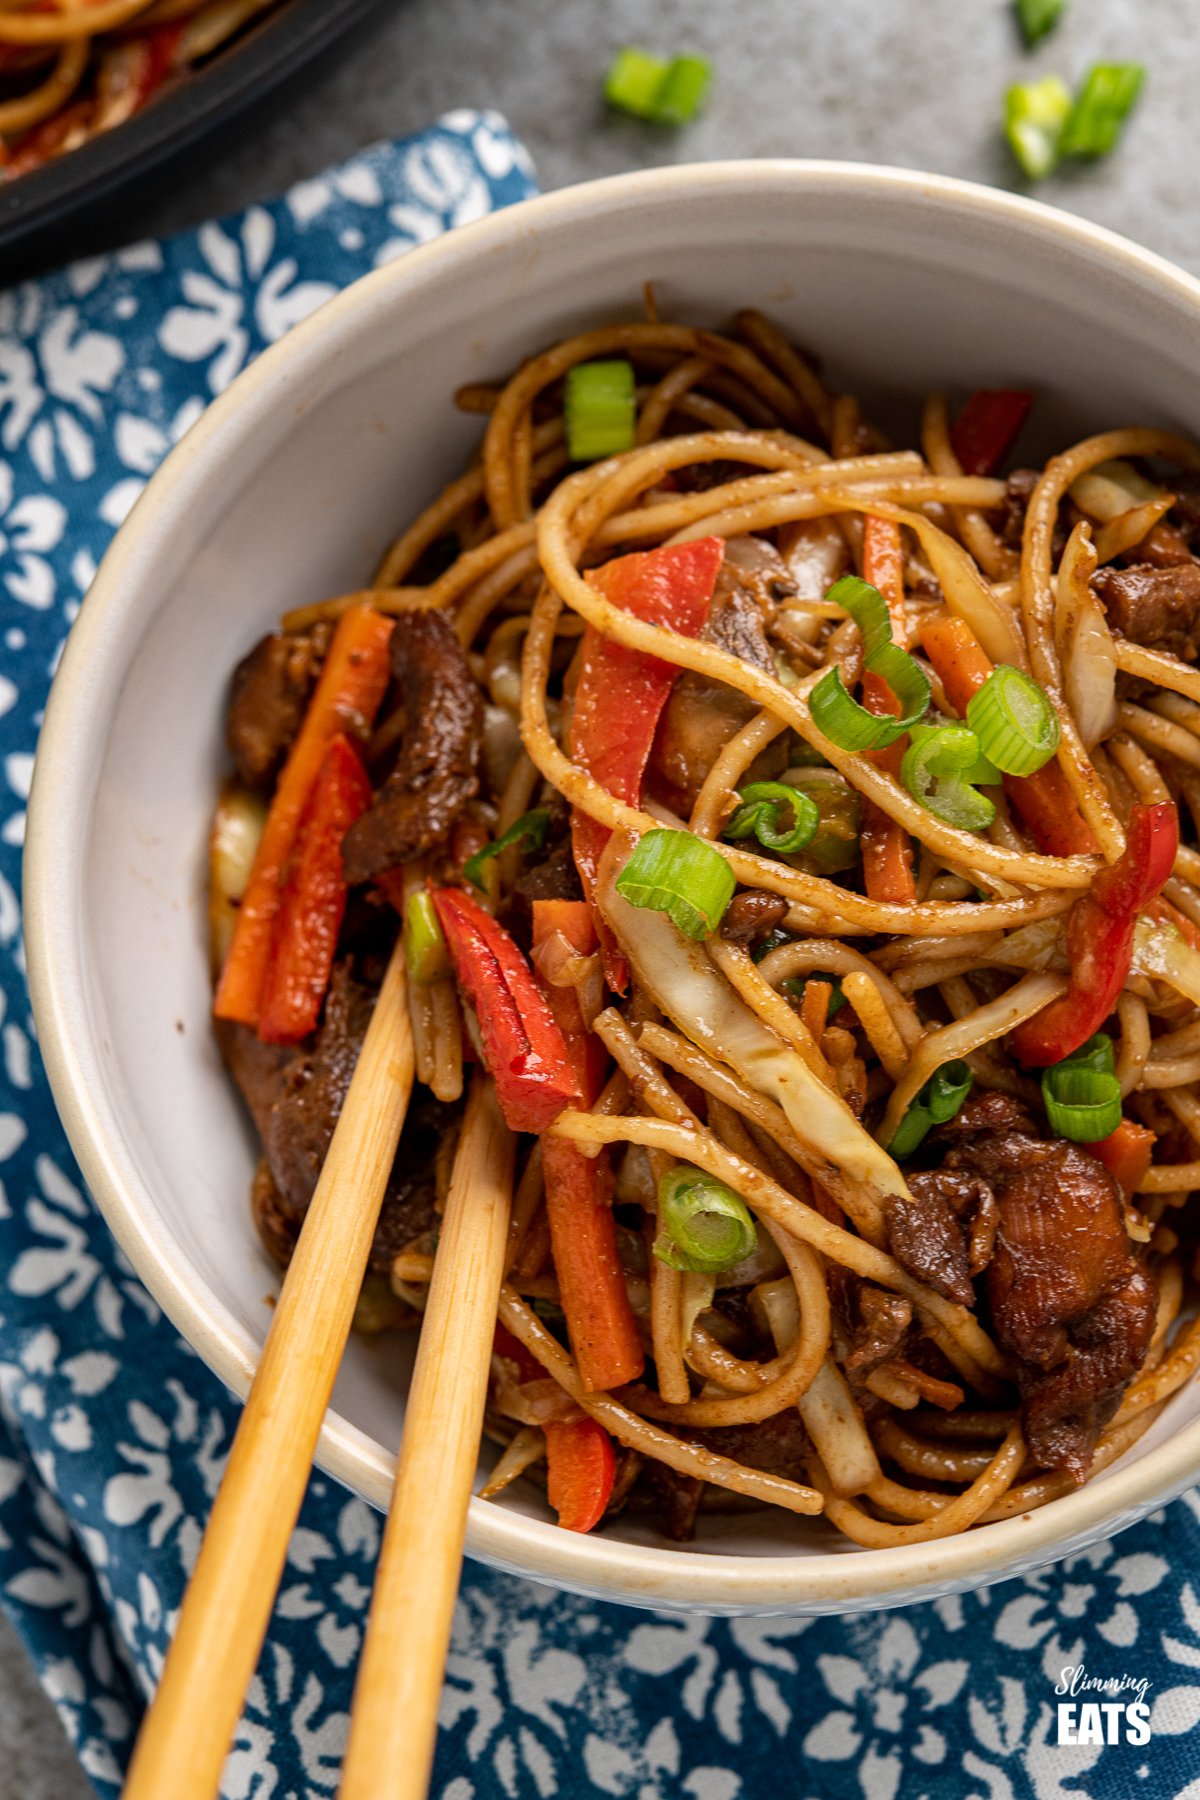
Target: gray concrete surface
{"points": [[911, 82]]}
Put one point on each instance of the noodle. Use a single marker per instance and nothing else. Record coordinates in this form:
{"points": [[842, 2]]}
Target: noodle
{"points": [[727, 1073]]}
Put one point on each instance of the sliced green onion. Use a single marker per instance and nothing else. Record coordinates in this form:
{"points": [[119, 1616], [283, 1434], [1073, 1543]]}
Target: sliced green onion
{"points": [[705, 1226], [939, 769], [526, 833], [1097, 1054], [1014, 721], [938, 1101], [1101, 108], [425, 953], [841, 718], [1082, 1103], [1034, 115], [680, 874], [682, 92], [764, 806], [1037, 18], [664, 93], [834, 847], [600, 406]]}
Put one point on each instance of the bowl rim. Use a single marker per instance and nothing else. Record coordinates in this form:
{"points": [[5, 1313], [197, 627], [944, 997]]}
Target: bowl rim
{"points": [[78, 713]]}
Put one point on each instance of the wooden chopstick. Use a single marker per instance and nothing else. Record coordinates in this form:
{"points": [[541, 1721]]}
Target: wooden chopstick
{"points": [[187, 1732], [393, 1724]]}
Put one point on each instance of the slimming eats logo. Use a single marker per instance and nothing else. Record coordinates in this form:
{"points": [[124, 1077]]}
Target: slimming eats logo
{"points": [[1100, 1709]]}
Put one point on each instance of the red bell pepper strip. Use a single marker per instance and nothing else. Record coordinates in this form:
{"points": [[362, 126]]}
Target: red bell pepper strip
{"points": [[1044, 801], [1099, 938], [583, 1231], [621, 693], [313, 901], [886, 846], [1126, 1153], [985, 429], [523, 1048], [347, 697], [581, 1466]]}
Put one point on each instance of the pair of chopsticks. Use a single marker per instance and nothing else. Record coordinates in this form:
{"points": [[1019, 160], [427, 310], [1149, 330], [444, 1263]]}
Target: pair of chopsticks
{"points": [[190, 1725]]}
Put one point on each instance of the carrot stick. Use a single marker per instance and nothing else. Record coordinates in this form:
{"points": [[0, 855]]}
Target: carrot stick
{"points": [[886, 846], [583, 1232], [814, 1008], [347, 698], [1044, 801]]}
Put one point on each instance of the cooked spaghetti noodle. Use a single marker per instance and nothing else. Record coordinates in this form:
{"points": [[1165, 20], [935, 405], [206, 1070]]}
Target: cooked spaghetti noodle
{"points": [[69, 72], [857, 1068]]}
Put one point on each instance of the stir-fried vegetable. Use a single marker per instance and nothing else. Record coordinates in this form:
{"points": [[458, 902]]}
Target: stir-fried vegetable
{"points": [[763, 811], [941, 769], [986, 428], [583, 1236], [1126, 1153], [1082, 1095], [599, 410], [1015, 724], [425, 953], [1099, 939], [938, 1101], [677, 873], [841, 718], [704, 1225], [833, 847], [526, 833], [1043, 800], [621, 693], [313, 900], [523, 1047], [581, 1465], [346, 699]]}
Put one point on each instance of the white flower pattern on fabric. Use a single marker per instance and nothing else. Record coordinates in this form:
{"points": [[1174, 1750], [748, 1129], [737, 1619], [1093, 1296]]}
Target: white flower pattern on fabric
{"points": [[112, 1434]]}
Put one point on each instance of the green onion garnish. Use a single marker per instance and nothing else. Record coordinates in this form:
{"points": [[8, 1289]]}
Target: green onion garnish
{"points": [[664, 93], [681, 875], [1014, 721], [1082, 1103], [425, 953], [940, 768], [1037, 18], [1100, 109], [526, 833], [1082, 1095], [846, 723], [1034, 115], [600, 408], [705, 1226], [682, 92], [938, 1101], [764, 806]]}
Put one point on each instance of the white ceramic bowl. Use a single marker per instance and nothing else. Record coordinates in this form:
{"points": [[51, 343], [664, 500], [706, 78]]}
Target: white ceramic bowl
{"points": [[285, 492]]}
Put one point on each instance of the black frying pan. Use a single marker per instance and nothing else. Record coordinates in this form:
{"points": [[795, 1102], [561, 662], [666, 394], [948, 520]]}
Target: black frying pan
{"points": [[65, 209]]}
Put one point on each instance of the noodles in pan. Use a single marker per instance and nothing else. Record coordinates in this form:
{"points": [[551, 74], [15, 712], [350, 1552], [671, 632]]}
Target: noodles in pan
{"points": [[802, 832], [69, 72]]}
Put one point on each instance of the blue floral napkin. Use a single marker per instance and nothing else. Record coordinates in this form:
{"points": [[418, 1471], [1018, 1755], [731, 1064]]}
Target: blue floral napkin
{"points": [[113, 1434]]}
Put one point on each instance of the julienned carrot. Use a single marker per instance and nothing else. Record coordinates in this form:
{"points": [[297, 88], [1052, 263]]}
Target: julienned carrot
{"points": [[583, 1232], [814, 1008], [1126, 1154], [1043, 801], [886, 846], [313, 901], [581, 1466], [347, 697]]}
